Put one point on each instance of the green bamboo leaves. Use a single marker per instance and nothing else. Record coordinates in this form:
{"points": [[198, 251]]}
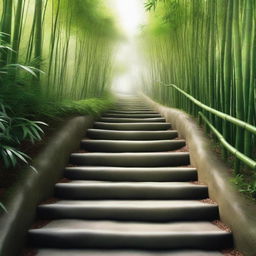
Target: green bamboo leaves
{"points": [[208, 49], [14, 131], [71, 41]]}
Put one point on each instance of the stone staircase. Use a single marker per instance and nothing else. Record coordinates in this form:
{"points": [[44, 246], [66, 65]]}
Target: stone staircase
{"points": [[130, 193]]}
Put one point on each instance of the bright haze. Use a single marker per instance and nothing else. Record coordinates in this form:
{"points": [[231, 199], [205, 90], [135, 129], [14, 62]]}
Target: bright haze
{"points": [[130, 16]]}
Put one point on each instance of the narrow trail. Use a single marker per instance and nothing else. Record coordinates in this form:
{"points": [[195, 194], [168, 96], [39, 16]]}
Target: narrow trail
{"points": [[130, 193]]}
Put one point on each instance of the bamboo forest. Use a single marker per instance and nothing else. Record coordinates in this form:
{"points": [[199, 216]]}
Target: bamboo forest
{"points": [[128, 127]]}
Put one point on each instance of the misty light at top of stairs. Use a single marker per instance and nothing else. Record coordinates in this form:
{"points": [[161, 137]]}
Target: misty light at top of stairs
{"points": [[130, 16]]}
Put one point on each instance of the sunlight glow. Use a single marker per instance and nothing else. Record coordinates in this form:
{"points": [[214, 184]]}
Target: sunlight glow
{"points": [[130, 15]]}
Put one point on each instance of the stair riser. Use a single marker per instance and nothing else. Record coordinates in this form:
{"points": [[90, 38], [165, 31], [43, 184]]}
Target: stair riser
{"points": [[131, 120], [131, 115], [74, 192], [132, 126], [113, 146], [130, 104], [131, 108], [132, 112], [130, 214], [131, 175], [131, 160], [128, 135], [86, 252], [130, 241]]}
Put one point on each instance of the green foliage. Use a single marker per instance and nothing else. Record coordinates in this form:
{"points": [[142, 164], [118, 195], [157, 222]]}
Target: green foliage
{"points": [[207, 49], [11, 156], [93, 106], [16, 130], [28, 69], [56, 61], [151, 4], [13, 131], [246, 185], [87, 15], [70, 41]]}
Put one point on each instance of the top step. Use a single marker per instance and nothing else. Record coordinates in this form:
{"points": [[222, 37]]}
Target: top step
{"points": [[119, 111], [129, 115], [132, 108], [132, 120]]}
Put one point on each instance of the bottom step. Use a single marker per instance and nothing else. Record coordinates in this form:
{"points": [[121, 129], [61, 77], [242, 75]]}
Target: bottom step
{"points": [[59, 252], [133, 235]]}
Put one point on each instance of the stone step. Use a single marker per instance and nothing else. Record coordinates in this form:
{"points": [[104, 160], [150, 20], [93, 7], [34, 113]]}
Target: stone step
{"points": [[81, 190], [116, 111], [132, 126], [112, 234], [131, 146], [121, 199], [131, 115], [131, 120], [131, 107], [131, 135], [106, 173], [165, 159], [149, 210], [84, 252]]}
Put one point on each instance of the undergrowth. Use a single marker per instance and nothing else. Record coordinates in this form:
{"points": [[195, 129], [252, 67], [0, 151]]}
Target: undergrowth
{"points": [[20, 112], [16, 130], [245, 181]]}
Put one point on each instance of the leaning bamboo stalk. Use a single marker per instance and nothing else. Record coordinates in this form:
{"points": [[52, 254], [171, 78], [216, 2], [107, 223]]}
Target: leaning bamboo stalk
{"points": [[220, 114], [246, 160]]}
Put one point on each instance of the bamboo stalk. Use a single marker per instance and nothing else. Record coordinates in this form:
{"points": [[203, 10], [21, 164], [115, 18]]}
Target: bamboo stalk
{"points": [[246, 160], [233, 120]]}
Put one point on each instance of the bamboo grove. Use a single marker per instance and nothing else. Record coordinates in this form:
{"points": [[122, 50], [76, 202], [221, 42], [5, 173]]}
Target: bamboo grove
{"points": [[70, 41], [208, 49], [55, 62]]}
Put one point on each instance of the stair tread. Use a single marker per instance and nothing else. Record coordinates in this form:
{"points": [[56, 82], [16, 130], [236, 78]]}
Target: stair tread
{"points": [[134, 132], [61, 252], [132, 173], [133, 126], [131, 115], [130, 210], [142, 123], [132, 119], [70, 226], [129, 184], [132, 112], [149, 204], [133, 142], [132, 146], [142, 169], [131, 135], [135, 159], [138, 154]]}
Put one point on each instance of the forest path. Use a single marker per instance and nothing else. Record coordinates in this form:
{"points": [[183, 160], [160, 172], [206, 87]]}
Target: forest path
{"points": [[130, 191]]}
